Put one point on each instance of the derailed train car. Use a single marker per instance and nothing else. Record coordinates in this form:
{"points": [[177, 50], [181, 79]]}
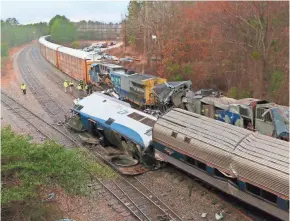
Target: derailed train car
{"points": [[252, 167], [115, 122]]}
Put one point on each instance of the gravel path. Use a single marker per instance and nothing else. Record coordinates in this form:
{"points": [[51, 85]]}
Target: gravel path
{"points": [[187, 197], [11, 85]]}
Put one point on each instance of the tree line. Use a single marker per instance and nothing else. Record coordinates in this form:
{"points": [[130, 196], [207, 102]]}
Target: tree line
{"points": [[61, 29], [238, 47], [14, 34]]}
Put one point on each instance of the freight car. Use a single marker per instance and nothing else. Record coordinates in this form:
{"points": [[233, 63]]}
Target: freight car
{"points": [[252, 167], [72, 62]]}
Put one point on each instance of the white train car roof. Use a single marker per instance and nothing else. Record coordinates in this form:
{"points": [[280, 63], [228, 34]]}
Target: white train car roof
{"points": [[119, 116], [74, 52], [46, 43], [252, 157]]}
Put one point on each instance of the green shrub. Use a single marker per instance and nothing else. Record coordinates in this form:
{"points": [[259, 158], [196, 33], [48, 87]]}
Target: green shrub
{"points": [[75, 44], [276, 80], [4, 50], [233, 92], [255, 55], [27, 166]]}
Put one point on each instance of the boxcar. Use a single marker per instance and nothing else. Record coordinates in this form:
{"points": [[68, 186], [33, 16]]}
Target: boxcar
{"points": [[250, 166], [73, 62], [49, 50]]}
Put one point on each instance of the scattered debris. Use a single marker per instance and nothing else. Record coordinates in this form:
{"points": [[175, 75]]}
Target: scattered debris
{"points": [[219, 216], [66, 220], [51, 196], [203, 215]]}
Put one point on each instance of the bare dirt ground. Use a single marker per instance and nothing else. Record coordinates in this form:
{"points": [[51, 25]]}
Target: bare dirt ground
{"points": [[11, 80], [187, 197], [82, 208]]}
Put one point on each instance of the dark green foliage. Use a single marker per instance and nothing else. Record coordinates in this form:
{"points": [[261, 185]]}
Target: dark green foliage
{"points": [[239, 93], [276, 80], [26, 167], [4, 50], [13, 34], [75, 44], [57, 17], [233, 92], [63, 31]]}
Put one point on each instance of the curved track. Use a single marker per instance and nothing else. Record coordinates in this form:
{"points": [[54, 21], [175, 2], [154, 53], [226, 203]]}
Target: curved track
{"points": [[136, 198], [54, 109]]}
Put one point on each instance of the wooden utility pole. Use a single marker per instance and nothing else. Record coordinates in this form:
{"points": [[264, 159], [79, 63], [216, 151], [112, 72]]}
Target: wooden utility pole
{"points": [[145, 33], [125, 35]]}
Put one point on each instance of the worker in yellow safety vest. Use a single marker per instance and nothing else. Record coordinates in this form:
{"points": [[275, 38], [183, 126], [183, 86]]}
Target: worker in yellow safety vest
{"points": [[71, 85], [87, 88], [79, 87], [65, 84], [23, 88]]}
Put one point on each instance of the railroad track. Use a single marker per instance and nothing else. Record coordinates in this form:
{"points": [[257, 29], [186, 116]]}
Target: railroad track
{"points": [[43, 127], [131, 202], [137, 202], [49, 70], [145, 204], [54, 109]]}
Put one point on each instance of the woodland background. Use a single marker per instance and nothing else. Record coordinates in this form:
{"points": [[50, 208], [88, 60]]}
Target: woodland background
{"points": [[241, 48]]}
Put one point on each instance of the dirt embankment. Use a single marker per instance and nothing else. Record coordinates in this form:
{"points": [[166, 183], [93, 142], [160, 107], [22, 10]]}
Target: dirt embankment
{"points": [[9, 75], [150, 67]]}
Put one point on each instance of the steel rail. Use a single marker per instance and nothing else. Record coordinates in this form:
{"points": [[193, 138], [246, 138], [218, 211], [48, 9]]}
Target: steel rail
{"points": [[7, 97], [173, 215], [48, 69], [36, 86]]}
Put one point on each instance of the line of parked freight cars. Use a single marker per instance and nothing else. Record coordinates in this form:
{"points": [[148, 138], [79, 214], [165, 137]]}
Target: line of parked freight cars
{"points": [[147, 90], [249, 166]]}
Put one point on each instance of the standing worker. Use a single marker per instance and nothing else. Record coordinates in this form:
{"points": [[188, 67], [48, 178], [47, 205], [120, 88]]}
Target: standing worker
{"points": [[23, 88], [90, 87], [79, 87], [65, 84], [87, 89], [71, 85], [82, 83]]}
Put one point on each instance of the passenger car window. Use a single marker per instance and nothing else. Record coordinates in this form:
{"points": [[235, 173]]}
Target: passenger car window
{"points": [[174, 134], [109, 121]]}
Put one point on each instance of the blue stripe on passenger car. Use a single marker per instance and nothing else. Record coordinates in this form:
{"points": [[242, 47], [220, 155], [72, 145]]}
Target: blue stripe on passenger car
{"points": [[121, 129]]}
